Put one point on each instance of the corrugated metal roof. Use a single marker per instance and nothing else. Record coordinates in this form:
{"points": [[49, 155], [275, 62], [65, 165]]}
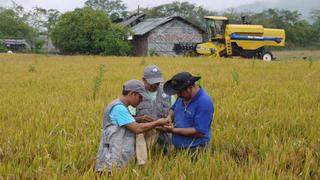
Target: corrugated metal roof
{"points": [[149, 24], [13, 41], [131, 19]]}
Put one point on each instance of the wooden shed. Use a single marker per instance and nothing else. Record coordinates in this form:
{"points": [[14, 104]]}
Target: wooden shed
{"points": [[16, 44], [158, 36]]}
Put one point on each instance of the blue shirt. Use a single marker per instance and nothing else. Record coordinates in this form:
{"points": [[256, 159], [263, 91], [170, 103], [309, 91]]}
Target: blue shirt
{"points": [[120, 115], [198, 114]]}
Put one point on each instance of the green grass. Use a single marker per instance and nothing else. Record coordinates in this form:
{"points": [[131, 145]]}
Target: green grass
{"points": [[266, 124]]}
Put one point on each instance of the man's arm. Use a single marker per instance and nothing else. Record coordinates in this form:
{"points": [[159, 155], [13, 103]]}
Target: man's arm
{"points": [[144, 118], [138, 128], [192, 132]]}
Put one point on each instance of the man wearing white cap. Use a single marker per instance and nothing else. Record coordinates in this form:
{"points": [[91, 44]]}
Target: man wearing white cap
{"points": [[119, 128], [156, 105]]}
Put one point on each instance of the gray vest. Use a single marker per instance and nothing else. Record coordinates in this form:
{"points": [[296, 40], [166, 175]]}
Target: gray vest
{"points": [[156, 109], [117, 145]]}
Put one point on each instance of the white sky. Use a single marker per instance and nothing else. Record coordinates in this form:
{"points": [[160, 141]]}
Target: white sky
{"points": [[67, 5]]}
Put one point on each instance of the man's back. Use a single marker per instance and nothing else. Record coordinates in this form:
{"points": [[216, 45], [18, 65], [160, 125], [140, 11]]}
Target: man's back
{"points": [[112, 142]]}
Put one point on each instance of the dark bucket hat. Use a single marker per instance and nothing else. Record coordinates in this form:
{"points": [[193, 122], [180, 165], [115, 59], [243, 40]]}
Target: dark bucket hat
{"points": [[178, 82]]}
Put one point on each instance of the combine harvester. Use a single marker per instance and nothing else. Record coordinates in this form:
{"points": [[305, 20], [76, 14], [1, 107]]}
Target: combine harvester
{"points": [[226, 39]]}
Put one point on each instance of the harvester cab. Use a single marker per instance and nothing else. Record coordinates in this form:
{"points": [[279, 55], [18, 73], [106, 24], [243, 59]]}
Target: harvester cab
{"points": [[215, 26], [228, 39]]}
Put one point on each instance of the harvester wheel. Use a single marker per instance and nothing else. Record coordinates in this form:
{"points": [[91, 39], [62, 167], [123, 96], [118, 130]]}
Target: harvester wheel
{"points": [[267, 56]]}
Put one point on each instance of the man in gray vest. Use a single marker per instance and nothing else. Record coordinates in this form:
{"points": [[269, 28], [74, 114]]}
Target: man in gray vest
{"points": [[117, 145], [156, 105]]}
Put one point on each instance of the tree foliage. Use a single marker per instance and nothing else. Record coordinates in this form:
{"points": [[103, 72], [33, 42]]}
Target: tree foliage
{"points": [[315, 15], [88, 31], [43, 20], [113, 8], [32, 26], [14, 26], [186, 10]]}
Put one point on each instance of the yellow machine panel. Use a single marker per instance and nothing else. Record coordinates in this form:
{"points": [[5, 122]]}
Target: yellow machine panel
{"points": [[244, 29], [216, 17], [252, 37], [279, 33]]}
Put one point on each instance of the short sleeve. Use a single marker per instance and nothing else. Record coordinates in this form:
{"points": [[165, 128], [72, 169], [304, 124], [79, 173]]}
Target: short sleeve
{"points": [[120, 115]]}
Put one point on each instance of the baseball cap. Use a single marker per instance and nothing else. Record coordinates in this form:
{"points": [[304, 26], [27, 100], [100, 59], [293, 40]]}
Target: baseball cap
{"points": [[152, 74], [135, 86], [178, 82]]}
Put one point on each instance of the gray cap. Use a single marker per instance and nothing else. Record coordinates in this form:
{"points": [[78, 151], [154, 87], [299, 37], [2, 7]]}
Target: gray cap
{"points": [[135, 86], [152, 74]]}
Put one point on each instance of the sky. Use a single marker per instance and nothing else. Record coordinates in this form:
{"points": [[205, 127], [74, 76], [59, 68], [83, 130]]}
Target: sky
{"points": [[68, 5]]}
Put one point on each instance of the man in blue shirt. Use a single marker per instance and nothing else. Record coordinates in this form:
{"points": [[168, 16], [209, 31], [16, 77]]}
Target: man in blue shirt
{"points": [[192, 112]]}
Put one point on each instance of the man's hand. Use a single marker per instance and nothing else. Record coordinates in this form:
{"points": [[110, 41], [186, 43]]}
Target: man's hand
{"points": [[169, 119], [162, 121], [165, 128]]}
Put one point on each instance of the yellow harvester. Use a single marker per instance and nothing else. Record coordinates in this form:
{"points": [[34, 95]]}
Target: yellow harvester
{"points": [[226, 39]]}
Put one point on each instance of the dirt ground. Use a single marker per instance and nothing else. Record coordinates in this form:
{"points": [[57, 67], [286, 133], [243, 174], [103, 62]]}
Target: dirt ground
{"points": [[297, 55]]}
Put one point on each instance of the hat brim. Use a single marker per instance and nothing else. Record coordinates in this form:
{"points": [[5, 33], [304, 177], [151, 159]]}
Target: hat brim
{"points": [[155, 80], [143, 94], [169, 89]]}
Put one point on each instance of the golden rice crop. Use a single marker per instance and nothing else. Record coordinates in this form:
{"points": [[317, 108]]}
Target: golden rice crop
{"points": [[266, 122]]}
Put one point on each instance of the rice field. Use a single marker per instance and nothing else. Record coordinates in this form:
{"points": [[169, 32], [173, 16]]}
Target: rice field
{"points": [[266, 121]]}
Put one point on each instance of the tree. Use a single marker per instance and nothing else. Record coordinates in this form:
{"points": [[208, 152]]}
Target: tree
{"points": [[88, 31], [32, 26], [37, 18], [191, 12], [43, 20], [52, 18], [113, 8], [315, 15], [14, 26]]}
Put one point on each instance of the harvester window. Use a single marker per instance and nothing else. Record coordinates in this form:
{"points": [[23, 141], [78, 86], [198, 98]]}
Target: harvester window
{"points": [[219, 29], [216, 28]]}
